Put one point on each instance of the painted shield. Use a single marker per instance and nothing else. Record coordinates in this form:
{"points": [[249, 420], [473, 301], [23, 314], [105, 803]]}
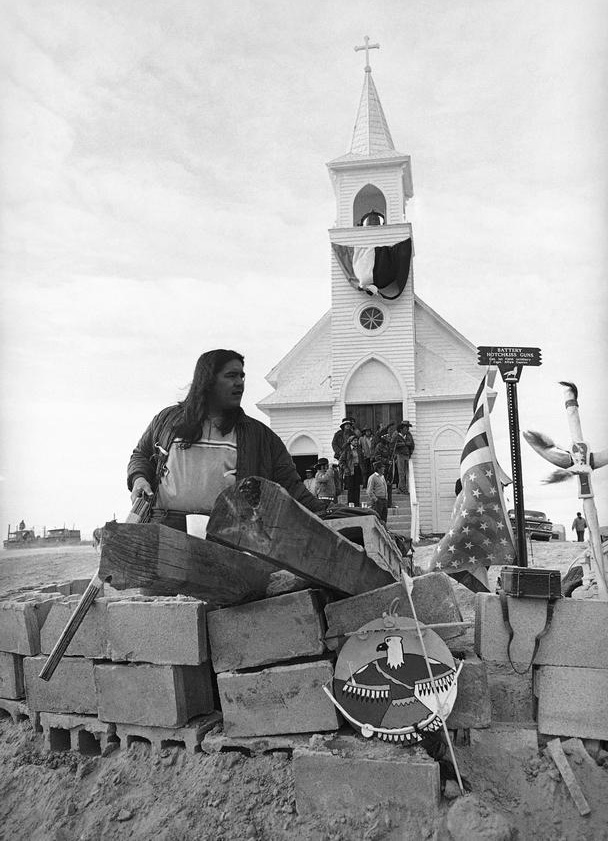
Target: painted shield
{"points": [[385, 686]]}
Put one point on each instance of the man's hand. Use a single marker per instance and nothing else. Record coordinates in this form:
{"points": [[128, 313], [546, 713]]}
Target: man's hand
{"points": [[141, 487]]}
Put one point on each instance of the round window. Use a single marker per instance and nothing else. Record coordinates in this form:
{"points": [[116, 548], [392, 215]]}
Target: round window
{"points": [[371, 318]]}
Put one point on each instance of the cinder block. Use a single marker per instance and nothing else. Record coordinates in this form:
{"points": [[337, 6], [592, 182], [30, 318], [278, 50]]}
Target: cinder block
{"points": [[11, 675], [163, 630], [158, 696], [79, 585], [268, 631], [511, 695], [377, 542], [91, 638], [472, 706], [19, 711], [21, 619], [572, 702], [190, 735], [433, 598], [85, 734], [282, 699], [70, 690], [327, 784], [575, 622]]}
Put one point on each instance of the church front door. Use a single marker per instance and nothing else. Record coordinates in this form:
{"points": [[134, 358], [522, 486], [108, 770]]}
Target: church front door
{"points": [[373, 415]]}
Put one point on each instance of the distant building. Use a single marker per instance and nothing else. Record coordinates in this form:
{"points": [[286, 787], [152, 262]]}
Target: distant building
{"points": [[375, 357]]}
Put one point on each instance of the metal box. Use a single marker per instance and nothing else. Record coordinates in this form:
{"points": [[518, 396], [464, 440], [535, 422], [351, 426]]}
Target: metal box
{"points": [[530, 583]]}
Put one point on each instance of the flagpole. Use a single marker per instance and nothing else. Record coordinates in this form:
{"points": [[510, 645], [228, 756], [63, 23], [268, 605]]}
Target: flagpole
{"points": [[409, 586]]}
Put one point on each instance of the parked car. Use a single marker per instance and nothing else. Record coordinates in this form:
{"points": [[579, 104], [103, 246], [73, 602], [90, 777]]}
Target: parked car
{"points": [[538, 526]]}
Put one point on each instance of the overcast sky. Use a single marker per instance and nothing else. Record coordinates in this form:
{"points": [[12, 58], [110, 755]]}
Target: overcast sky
{"points": [[164, 191]]}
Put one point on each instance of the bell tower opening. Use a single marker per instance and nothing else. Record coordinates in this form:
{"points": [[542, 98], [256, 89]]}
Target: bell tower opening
{"points": [[368, 201]]}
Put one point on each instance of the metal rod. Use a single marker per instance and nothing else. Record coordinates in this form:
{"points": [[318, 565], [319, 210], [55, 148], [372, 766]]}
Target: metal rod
{"points": [[75, 621], [518, 489]]}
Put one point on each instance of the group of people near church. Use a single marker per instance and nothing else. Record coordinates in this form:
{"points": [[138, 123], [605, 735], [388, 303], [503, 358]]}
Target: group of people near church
{"points": [[364, 458], [193, 450]]}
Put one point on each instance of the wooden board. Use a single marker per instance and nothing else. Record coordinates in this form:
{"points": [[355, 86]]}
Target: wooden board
{"points": [[559, 757], [168, 562], [259, 516]]}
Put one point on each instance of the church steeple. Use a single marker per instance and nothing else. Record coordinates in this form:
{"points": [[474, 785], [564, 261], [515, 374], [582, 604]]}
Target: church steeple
{"points": [[371, 134], [372, 180]]}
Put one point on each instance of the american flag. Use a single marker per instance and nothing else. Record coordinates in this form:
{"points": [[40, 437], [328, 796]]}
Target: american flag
{"points": [[480, 532]]}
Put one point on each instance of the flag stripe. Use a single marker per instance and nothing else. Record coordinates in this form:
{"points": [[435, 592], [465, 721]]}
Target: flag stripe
{"points": [[477, 443]]}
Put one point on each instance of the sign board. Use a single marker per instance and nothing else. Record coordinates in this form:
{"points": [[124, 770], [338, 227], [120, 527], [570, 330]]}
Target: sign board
{"points": [[498, 355]]}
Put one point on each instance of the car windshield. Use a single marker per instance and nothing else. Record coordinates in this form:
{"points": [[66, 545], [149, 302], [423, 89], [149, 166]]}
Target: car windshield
{"points": [[529, 515]]}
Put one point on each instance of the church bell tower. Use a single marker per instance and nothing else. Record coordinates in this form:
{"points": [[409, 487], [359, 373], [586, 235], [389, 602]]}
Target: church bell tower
{"points": [[372, 322]]}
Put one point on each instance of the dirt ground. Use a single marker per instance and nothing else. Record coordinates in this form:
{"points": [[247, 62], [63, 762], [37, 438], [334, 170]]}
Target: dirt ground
{"points": [[142, 793]]}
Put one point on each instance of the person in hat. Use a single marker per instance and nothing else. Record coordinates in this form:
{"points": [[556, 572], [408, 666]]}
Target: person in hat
{"points": [[350, 462], [377, 491], [402, 443], [325, 486], [309, 481], [341, 436], [366, 442], [193, 450]]}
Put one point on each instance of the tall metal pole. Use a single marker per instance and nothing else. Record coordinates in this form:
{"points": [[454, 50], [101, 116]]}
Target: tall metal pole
{"points": [[518, 489]]}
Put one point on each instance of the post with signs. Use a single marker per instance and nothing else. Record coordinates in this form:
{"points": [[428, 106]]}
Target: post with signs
{"points": [[510, 361]]}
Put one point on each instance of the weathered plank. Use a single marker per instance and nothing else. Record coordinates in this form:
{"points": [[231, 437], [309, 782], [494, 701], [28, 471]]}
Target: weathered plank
{"points": [[259, 516], [167, 562], [559, 757]]}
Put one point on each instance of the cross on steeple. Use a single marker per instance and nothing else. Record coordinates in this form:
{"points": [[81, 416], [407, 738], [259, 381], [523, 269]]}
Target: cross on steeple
{"points": [[367, 47]]}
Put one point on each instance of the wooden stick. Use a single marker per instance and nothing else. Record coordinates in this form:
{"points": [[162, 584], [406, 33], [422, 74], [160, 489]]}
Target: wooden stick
{"points": [[75, 621], [409, 586], [559, 757], [586, 491]]}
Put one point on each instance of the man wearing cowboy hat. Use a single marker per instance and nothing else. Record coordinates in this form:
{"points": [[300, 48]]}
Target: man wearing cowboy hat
{"points": [[403, 447], [342, 436], [325, 487]]}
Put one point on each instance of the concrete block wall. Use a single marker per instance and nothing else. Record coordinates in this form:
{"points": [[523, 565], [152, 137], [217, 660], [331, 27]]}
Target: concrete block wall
{"points": [[161, 676], [565, 686], [285, 635]]}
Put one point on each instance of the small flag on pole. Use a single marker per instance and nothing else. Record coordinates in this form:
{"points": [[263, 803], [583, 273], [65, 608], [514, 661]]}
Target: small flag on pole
{"points": [[480, 532]]}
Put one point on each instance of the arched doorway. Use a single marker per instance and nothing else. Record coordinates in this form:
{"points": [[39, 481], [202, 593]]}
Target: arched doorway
{"points": [[304, 452], [373, 395]]}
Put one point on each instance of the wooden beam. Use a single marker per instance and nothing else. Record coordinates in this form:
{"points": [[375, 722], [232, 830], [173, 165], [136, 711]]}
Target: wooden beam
{"points": [[259, 516], [167, 562], [556, 751]]}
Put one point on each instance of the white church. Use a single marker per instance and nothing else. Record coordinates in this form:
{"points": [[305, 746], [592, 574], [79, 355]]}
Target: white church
{"points": [[380, 353]]}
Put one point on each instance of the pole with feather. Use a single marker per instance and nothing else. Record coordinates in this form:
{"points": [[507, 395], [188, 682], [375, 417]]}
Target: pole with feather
{"points": [[577, 461]]}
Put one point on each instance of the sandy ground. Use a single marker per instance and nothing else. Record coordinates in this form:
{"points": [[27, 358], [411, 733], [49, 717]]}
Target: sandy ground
{"points": [[174, 796]]}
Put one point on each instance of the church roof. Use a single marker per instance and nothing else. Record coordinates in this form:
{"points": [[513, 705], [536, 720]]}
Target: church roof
{"points": [[435, 378], [304, 374], [371, 134], [446, 363]]}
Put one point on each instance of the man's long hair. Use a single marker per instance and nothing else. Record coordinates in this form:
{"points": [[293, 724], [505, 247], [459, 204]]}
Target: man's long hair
{"points": [[195, 404]]}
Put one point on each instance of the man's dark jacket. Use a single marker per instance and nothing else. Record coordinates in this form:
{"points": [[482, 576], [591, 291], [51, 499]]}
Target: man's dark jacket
{"points": [[259, 452]]}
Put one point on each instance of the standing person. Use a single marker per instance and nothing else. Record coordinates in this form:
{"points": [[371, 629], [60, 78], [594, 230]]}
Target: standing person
{"points": [[193, 450], [341, 436], [366, 443], [325, 487], [579, 524], [309, 481], [377, 491], [403, 447], [350, 464]]}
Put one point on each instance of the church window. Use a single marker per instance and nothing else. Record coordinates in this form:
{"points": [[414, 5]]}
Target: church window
{"points": [[369, 199], [371, 318]]}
